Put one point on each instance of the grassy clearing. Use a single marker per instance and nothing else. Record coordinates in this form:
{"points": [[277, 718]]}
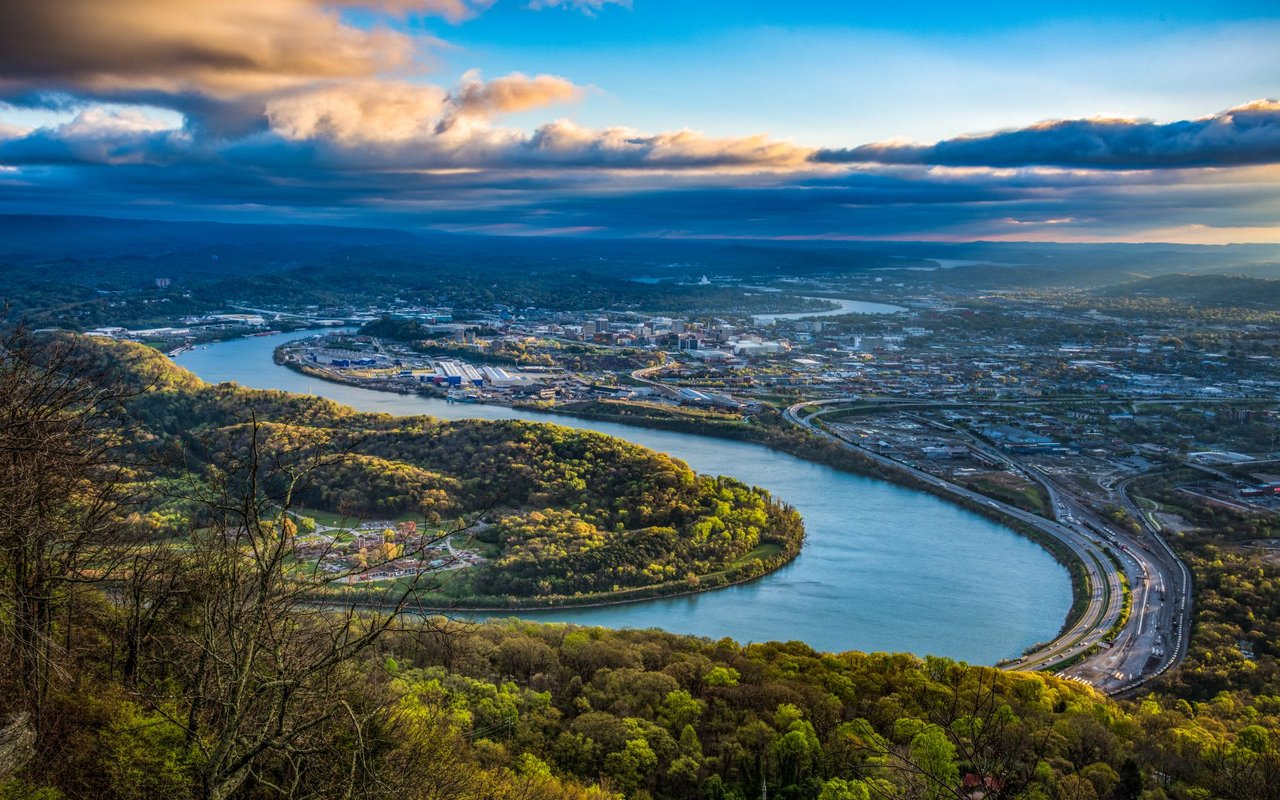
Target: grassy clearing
{"points": [[662, 409], [767, 550], [1016, 492]]}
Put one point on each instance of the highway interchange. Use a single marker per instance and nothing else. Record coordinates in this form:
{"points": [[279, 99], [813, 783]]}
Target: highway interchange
{"points": [[1100, 647]]}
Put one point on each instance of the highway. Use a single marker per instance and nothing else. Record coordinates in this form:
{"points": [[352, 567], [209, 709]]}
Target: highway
{"points": [[1171, 604], [643, 375], [1151, 641]]}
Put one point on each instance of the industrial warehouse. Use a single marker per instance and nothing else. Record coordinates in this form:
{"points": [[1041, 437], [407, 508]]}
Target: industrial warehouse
{"points": [[368, 361]]}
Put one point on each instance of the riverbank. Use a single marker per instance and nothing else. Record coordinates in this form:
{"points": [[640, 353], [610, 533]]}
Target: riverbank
{"points": [[882, 569], [763, 560], [768, 428], [754, 570]]}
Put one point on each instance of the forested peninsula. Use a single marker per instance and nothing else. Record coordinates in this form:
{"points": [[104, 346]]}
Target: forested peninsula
{"points": [[551, 515]]}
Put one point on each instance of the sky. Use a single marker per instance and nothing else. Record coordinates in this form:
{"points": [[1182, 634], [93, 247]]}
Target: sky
{"points": [[1086, 121]]}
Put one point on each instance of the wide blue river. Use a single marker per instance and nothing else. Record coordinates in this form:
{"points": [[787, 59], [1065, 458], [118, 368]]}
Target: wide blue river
{"points": [[883, 569]]}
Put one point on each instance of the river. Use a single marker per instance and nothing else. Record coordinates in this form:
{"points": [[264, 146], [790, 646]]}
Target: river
{"points": [[844, 307], [884, 568]]}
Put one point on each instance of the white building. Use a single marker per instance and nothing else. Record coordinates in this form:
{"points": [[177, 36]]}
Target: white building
{"points": [[752, 348]]}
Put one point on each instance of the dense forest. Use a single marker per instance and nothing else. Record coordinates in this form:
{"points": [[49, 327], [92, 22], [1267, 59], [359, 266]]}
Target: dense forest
{"points": [[369, 281], [492, 348], [575, 513], [518, 710], [79, 273]]}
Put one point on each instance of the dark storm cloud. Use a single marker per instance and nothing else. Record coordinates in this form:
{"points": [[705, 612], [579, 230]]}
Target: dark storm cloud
{"points": [[907, 202], [99, 137], [224, 49], [1245, 135]]}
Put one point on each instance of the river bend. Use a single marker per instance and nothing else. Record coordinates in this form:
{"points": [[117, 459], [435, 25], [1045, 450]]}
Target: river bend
{"points": [[884, 568]]}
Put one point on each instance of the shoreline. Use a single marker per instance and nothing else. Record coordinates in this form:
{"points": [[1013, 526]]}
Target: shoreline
{"points": [[819, 453], [850, 462], [589, 601]]}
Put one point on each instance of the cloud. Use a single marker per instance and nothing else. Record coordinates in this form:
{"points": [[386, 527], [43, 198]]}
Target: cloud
{"points": [[405, 127], [10, 131], [918, 204], [590, 7], [225, 49], [358, 112], [912, 203], [101, 137], [343, 141], [233, 67], [452, 10], [514, 92], [567, 144], [1244, 135], [266, 177], [293, 109], [96, 122], [417, 116]]}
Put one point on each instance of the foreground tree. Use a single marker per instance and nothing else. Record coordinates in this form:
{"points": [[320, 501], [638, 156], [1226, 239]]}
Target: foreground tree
{"points": [[267, 659], [965, 740], [60, 501]]}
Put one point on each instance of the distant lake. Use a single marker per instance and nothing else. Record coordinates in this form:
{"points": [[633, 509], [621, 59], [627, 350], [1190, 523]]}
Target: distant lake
{"points": [[846, 307], [884, 567], [945, 263]]}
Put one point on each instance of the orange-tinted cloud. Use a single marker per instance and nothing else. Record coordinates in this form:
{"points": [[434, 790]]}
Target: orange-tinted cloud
{"points": [[356, 114], [409, 126], [389, 127], [619, 147], [511, 93], [372, 111], [288, 103], [568, 178]]}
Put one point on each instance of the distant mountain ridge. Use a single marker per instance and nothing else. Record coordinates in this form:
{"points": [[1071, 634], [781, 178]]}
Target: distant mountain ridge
{"points": [[1237, 291], [62, 236], [49, 262]]}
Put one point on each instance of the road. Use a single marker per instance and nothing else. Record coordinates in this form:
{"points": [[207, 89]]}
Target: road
{"points": [[1155, 638], [1150, 642], [1105, 600], [1170, 614], [643, 375], [891, 402]]}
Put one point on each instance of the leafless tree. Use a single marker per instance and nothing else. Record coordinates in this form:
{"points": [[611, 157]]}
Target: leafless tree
{"points": [[1237, 773], [60, 500], [151, 590], [991, 742], [269, 654]]}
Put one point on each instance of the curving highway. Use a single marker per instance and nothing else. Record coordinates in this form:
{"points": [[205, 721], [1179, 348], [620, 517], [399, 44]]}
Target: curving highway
{"points": [[1149, 642], [1165, 636]]}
